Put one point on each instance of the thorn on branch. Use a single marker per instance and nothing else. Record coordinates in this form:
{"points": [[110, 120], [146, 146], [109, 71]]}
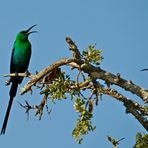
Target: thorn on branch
{"points": [[107, 83], [117, 78], [131, 82]]}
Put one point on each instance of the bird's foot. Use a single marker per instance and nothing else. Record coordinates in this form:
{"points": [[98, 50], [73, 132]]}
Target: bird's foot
{"points": [[16, 74]]}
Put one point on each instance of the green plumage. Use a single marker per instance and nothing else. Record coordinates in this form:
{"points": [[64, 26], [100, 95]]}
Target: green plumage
{"points": [[20, 58]]}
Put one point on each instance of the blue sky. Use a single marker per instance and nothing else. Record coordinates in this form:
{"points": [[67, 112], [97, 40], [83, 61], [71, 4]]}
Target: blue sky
{"points": [[119, 28]]}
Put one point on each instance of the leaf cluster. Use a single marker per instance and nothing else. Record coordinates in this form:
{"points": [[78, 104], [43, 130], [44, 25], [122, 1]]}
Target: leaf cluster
{"points": [[92, 55], [84, 124], [141, 140], [59, 87], [62, 86]]}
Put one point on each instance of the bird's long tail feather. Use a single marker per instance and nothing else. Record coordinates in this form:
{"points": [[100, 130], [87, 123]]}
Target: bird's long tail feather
{"points": [[12, 94]]}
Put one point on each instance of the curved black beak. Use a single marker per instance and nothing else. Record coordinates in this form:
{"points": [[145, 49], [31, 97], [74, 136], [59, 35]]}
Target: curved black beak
{"points": [[27, 31]]}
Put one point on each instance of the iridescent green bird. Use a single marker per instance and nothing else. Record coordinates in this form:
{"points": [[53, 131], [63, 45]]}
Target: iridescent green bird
{"points": [[20, 58]]}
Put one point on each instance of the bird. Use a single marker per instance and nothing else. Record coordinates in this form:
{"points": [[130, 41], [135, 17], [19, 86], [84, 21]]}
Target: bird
{"points": [[144, 69], [19, 63]]}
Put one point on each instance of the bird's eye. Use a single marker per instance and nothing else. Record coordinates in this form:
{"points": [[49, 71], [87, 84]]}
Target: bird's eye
{"points": [[23, 32]]}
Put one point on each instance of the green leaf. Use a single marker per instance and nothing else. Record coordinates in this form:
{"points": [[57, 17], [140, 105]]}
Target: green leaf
{"points": [[141, 141], [84, 124], [92, 55]]}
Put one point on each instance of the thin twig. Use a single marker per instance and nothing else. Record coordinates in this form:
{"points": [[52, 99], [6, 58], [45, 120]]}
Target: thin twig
{"points": [[27, 108], [29, 75], [40, 107]]}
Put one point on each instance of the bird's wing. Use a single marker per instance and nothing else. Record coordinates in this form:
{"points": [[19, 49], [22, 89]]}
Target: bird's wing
{"points": [[12, 70]]}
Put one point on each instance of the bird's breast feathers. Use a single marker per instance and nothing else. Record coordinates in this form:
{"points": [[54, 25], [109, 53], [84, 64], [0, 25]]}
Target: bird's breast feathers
{"points": [[21, 56]]}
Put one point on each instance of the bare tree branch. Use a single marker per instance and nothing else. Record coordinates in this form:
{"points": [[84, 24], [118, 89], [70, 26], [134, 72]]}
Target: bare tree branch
{"points": [[131, 106], [137, 110], [29, 75], [44, 72], [90, 82], [98, 73]]}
